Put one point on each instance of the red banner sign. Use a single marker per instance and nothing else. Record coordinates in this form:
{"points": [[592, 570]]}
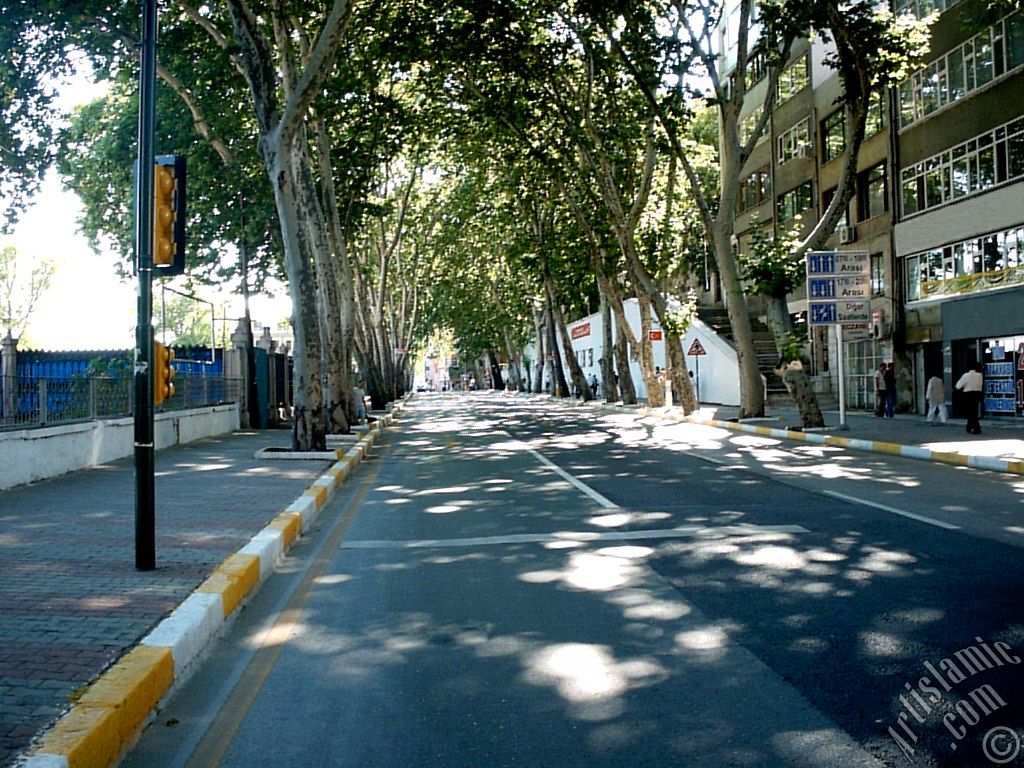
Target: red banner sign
{"points": [[656, 336], [581, 331]]}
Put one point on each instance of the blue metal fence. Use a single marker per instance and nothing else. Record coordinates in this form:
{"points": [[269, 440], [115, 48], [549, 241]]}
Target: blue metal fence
{"points": [[49, 387]]}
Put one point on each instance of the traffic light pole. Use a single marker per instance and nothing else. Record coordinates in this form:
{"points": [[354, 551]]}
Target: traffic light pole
{"points": [[145, 497]]}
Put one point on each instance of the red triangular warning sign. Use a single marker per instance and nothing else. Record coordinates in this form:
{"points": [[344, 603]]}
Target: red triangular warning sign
{"points": [[696, 348]]}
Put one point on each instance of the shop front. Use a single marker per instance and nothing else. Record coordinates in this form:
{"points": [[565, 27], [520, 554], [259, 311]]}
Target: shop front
{"points": [[987, 329]]}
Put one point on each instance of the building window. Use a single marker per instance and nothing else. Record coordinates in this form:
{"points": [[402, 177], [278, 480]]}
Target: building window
{"points": [[921, 8], [757, 64], [795, 142], [994, 158], [993, 261], [988, 56], [833, 135], [877, 275], [755, 189], [875, 120], [747, 125], [826, 200], [795, 202], [793, 79], [873, 198]]}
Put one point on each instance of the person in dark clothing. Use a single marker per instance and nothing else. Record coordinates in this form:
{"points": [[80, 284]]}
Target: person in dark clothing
{"points": [[972, 384], [890, 390]]}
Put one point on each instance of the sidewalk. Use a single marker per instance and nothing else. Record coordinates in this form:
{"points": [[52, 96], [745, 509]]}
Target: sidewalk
{"points": [[1000, 438], [71, 601]]}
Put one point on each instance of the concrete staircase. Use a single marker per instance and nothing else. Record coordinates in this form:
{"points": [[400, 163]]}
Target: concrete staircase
{"points": [[764, 347]]}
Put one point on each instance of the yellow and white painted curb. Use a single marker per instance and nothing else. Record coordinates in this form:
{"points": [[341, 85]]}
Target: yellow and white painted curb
{"points": [[871, 446], [109, 715], [818, 438]]}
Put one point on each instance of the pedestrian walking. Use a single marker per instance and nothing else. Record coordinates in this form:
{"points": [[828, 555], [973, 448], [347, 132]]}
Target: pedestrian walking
{"points": [[880, 398], [890, 389], [972, 384], [359, 395], [593, 384], [935, 397]]}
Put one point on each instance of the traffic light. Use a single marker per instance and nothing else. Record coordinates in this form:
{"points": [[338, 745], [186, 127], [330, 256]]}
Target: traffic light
{"points": [[163, 373], [169, 215]]}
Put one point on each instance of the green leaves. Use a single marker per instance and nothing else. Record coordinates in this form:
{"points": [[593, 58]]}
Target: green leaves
{"points": [[769, 267]]}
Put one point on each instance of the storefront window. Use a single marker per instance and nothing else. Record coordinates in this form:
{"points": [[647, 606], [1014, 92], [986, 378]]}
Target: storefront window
{"points": [[934, 265], [990, 254], [913, 279], [992, 262], [862, 360]]}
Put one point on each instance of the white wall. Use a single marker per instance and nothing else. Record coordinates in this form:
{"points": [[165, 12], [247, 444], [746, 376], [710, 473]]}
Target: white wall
{"points": [[717, 372], [718, 369], [27, 455]]}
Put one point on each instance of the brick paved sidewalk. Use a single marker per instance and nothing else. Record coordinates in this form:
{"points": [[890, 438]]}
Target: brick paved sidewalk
{"points": [[71, 601]]}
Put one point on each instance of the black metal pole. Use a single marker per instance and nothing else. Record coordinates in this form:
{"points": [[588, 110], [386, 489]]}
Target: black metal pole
{"points": [[145, 497], [255, 417]]}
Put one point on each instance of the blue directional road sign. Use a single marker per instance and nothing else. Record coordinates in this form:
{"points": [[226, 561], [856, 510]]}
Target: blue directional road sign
{"points": [[838, 287]]}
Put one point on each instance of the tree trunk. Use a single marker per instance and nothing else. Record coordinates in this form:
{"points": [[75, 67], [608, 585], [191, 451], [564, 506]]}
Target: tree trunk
{"points": [[327, 298], [560, 388], [751, 387], [609, 384], [515, 377], [342, 270], [497, 382], [308, 433], [540, 364], [655, 389], [627, 389], [682, 384], [579, 380], [792, 372]]}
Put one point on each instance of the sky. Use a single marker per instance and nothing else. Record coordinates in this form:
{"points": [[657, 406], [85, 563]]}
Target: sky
{"points": [[88, 306]]}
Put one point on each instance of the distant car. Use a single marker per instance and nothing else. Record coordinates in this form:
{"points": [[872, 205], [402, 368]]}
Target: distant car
{"points": [[421, 388]]}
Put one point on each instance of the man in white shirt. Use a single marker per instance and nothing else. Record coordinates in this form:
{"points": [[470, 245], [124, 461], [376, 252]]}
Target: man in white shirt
{"points": [[935, 395], [972, 384]]}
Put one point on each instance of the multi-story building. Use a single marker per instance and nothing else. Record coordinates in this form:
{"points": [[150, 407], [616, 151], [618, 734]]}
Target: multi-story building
{"points": [[788, 182], [960, 235], [938, 203]]}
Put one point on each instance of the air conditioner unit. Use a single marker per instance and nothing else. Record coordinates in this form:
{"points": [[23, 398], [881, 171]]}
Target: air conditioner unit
{"points": [[807, 150], [847, 234]]}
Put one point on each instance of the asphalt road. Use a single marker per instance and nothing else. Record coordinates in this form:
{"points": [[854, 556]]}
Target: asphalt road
{"points": [[516, 582]]}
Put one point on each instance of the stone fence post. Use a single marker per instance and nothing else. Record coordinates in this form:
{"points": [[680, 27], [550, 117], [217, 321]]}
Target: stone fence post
{"points": [[9, 383], [236, 366]]}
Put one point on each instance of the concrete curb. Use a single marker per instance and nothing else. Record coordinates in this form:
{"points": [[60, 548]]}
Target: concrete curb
{"points": [[871, 446], [109, 715], [817, 438]]}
